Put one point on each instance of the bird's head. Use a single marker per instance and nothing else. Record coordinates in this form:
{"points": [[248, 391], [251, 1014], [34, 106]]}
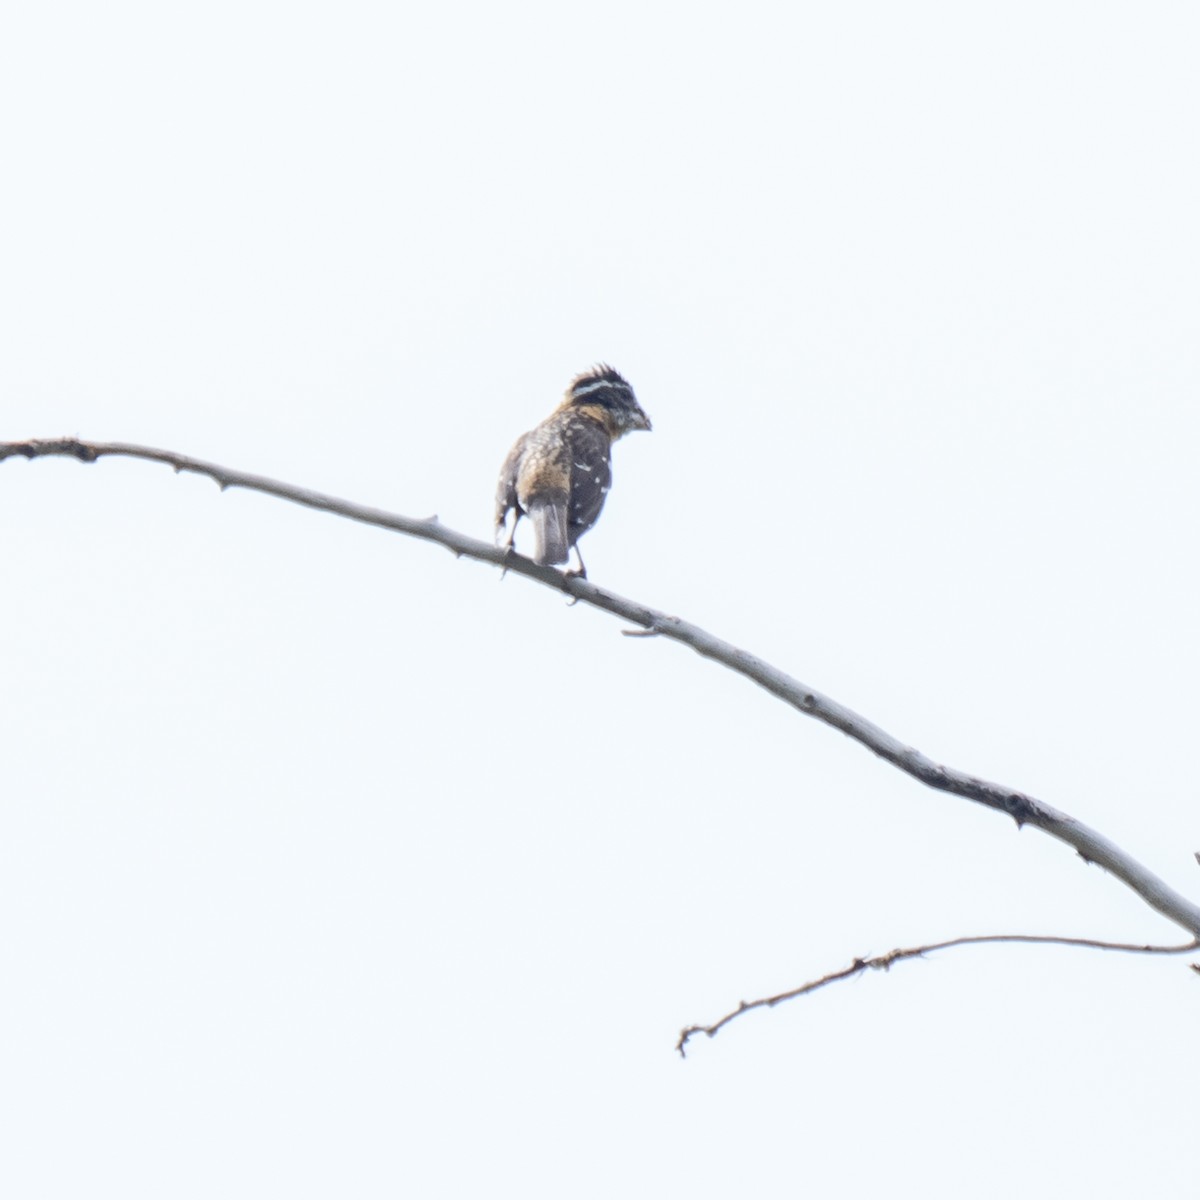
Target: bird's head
{"points": [[606, 389]]}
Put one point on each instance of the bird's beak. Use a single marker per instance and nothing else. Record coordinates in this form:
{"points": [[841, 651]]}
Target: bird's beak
{"points": [[644, 423]]}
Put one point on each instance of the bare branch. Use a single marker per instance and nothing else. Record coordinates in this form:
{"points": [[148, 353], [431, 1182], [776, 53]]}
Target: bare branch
{"points": [[1091, 846], [883, 962]]}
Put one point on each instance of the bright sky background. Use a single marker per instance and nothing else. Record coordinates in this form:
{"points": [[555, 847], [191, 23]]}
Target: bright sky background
{"points": [[333, 866]]}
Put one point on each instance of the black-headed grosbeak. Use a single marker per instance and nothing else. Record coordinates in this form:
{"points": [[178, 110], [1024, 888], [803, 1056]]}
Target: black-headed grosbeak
{"points": [[559, 473]]}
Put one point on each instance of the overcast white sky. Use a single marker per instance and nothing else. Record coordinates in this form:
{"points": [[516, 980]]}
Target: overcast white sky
{"points": [[333, 866]]}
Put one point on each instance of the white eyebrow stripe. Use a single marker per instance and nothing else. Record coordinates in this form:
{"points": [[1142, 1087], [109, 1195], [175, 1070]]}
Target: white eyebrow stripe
{"points": [[598, 384]]}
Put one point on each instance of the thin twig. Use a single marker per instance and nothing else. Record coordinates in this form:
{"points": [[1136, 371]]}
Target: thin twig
{"points": [[883, 962], [1091, 846]]}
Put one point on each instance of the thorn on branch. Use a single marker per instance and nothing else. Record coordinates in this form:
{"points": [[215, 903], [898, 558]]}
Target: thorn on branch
{"points": [[1020, 808]]}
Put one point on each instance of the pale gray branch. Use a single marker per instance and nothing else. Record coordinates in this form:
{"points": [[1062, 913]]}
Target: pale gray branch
{"points": [[883, 962], [1091, 846]]}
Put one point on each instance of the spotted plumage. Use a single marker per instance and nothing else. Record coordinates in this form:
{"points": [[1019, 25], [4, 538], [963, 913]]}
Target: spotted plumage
{"points": [[559, 473]]}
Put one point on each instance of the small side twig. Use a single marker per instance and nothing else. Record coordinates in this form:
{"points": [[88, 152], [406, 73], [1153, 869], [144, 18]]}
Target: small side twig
{"points": [[883, 962]]}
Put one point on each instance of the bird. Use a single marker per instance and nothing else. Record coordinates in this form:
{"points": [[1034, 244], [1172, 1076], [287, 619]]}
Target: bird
{"points": [[559, 473]]}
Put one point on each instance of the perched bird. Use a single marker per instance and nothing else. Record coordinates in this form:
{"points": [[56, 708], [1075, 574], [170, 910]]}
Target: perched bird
{"points": [[559, 473]]}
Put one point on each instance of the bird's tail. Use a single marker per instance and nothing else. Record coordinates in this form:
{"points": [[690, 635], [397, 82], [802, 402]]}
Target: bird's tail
{"points": [[549, 533]]}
